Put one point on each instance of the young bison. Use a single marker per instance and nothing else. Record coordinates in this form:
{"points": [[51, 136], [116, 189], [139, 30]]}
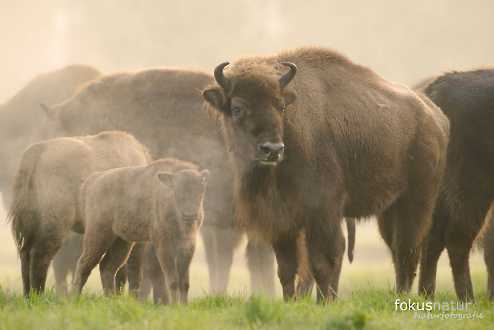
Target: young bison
{"points": [[46, 194], [334, 140], [467, 192], [161, 203]]}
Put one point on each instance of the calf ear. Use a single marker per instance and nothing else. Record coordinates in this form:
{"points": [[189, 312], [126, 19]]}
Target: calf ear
{"points": [[205, 176], [215, 97], [289, 97], [167, 178]]}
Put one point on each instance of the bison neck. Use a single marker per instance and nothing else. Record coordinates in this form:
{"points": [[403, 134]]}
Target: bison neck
{"points": [[262, 206]]}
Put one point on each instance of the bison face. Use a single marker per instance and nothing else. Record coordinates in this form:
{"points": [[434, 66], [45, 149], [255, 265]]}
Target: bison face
{"points": [[188, 187], [252, 107]]}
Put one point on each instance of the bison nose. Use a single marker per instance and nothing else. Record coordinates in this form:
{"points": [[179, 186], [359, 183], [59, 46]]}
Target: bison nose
{"points": [[270, 148]]}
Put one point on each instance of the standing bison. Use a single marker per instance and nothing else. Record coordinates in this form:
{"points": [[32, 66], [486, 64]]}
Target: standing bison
{"points": [[45, 208], [328, 140], [163, 109], [467, 99], [21, 125]]}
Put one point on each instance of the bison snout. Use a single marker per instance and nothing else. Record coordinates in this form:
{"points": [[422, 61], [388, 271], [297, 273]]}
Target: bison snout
{"points": [[270, 152]]}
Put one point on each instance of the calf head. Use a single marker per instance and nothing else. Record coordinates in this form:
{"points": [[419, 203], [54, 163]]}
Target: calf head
{"points": [[189, 187], [252, 104]]}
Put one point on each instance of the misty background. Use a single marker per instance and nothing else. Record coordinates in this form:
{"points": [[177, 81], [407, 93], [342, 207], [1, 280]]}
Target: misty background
{"points": [[404, 41]]}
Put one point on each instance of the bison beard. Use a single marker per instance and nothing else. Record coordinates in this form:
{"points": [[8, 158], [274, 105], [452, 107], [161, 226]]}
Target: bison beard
{"points": [[353, 145]]}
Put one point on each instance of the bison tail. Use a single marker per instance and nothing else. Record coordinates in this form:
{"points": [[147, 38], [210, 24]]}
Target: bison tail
{"points": [[350, 226], [23, 214]]}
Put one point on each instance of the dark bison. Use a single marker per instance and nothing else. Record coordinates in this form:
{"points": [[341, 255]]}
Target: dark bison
{"points": [[163, 109], [45, 208], [329, 140], [21, 125], [467, 99]]}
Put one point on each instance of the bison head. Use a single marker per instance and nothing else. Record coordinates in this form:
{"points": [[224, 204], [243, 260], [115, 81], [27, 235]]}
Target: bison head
{"points": [[188, 187], [252, 103]]}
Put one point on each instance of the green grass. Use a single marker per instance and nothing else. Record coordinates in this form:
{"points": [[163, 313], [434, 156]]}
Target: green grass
{"points": [[369, 309]]}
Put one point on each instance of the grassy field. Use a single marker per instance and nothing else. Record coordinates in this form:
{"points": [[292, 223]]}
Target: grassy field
{"points": [[366, 300]]}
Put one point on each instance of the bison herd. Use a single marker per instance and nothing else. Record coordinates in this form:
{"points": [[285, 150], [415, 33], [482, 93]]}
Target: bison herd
{"points": [[124, 170]]}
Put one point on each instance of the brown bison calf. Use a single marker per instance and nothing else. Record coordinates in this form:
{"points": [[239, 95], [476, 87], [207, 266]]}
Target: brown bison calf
{"points": [[328, 141], [161, 203], [46, 194], [467, 192]]}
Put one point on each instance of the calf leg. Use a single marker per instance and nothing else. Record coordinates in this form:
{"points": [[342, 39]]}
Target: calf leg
{"points": [[134, 267], [167, 260], [260, 261], [183, 266], [94, 246], [113, 260], [285, 249]]}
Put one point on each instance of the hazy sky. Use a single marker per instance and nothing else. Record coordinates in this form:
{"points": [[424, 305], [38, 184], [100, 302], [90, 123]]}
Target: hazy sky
{"points": [[402, 40]]}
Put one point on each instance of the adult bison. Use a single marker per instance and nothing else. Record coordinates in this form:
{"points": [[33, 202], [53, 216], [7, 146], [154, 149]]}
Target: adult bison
{"points": [[21, 120], [46, 204], [21, 125], [331, 141], [467, 99], [163, 109]]}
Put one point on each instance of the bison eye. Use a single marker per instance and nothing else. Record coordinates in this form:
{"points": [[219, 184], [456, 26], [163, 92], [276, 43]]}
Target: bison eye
{"points": [[237, 113]]}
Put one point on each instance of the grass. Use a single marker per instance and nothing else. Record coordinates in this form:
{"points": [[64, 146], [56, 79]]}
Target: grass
{"points": [[369, 309], [366, 300]]}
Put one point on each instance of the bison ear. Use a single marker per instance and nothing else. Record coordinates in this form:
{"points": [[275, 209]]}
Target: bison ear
{"points": [[167, 178], [49, 111], [205, 176], [215, 97], [289, 97]]}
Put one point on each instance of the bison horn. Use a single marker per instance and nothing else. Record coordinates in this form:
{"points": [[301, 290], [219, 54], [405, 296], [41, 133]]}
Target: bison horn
{"points": [[220, 77], [287, 77]]}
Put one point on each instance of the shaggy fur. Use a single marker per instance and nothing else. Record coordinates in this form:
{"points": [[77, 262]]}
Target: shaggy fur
{"points": [[163, 109], [356, 145], [467, 191], [161, 202], [45, 207]]}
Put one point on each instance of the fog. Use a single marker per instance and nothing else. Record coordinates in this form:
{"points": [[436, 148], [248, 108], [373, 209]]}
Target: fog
{"points": [[404, 41]]}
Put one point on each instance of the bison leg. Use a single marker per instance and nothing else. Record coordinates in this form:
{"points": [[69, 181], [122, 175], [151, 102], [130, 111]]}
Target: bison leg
{"points": [[25, 261], [60, 271], [488, 243], [305, 280], [112, 262], [219, 245], [326, 245], [41, 256], [401, 232], [459, 243], [285, 250], [432, 248], [134, 267], [260, 261]]}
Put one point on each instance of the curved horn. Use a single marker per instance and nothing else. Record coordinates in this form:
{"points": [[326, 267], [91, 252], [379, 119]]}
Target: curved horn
{"points": [[287, 77], [220, 77]]}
